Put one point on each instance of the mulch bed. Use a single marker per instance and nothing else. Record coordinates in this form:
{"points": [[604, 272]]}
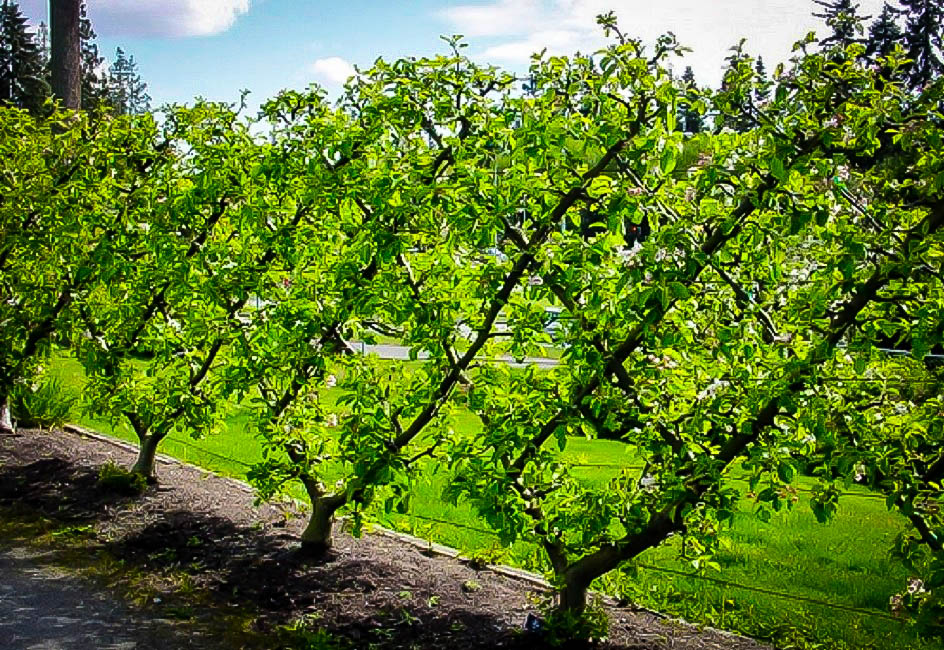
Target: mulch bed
{"points": [[375, 592]]}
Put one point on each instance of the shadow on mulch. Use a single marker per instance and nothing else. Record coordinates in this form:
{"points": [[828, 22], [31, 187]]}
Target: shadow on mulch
{"points": [[360, 600]]}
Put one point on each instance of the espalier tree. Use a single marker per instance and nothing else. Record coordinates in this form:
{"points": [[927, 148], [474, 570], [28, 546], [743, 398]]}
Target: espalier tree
{"points": [[890, 436], [457, 164], [771, 270], [231, 214], [422, 133], [68, 185]]}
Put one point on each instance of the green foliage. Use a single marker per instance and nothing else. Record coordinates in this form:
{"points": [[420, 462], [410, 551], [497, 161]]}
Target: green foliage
{"points": [[436, 205], [22, 82], [305, 634], [115, 478], [43, 404], [562, 627]]}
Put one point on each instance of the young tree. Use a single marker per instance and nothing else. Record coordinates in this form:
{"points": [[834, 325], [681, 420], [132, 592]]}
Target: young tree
{"points": [[842, 16], [737, 91], [65, 225], [884, 34], [127, 91], [395, 240], [924, 40], [65, 59], [21, 62], [179, 302]]}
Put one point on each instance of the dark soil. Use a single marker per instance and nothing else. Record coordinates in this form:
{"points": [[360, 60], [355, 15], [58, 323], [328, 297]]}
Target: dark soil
{"points": [[374, 592]]}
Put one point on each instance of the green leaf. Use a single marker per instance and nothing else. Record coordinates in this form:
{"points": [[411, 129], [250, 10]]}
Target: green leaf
{"points": [[668, 161], [777, 169]]}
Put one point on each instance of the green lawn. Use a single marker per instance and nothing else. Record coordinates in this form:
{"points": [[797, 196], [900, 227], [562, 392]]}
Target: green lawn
{"points": [[845, 562]]}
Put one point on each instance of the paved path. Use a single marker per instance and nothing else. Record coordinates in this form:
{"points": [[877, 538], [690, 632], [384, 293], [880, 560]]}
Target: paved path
{"points": [[402, 352], [44, 609]]}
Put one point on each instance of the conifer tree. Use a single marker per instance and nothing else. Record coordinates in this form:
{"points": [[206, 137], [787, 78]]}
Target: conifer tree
{"points": [[884, 33], [924, 40], [842, 16], [763, 84], [128, 93], [95, 90], [21, 65], [689, 119], [42, 42]]}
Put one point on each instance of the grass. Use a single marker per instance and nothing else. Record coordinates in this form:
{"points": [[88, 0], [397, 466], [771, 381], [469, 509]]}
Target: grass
{"points": [[844, 562]]}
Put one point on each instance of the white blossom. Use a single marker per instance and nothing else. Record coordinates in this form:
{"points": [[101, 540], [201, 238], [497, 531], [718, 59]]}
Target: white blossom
{"points": [[712, 389], [649, 483], [916, 586]]}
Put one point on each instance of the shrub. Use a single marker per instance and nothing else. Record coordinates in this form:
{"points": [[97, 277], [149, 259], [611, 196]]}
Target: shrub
{"points": [[115, 478], [41, 405]]}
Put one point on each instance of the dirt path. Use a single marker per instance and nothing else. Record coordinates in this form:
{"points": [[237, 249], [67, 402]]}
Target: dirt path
{"points": [[204, 553], [41, 607]]}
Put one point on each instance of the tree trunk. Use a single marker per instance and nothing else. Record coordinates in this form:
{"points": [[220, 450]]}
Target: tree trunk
{"points": [[573, 597], [316, 538], [65, 59], [6, 418], [147, 453]]}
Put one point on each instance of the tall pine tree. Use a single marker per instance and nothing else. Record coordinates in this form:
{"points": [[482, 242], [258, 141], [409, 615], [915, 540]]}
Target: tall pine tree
{"points": [[884, 34], [95, 91], [689, 119], [762, 82], [42, 42], [924, 40], [842, 16], [128, 93], [22, 80]]}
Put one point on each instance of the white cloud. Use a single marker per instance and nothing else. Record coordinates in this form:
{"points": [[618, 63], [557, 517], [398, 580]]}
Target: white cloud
{"points": [[501, 18], [557, 41], [332, 70], [173, 18], [509, 31]]}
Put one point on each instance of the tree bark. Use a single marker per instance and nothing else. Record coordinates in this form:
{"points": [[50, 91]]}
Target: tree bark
{"points": [[316, 538], [147, 455], [65, 59], [6, 419]]}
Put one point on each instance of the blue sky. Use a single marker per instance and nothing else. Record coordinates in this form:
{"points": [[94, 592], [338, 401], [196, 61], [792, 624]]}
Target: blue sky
{"points": [[214, 48]]}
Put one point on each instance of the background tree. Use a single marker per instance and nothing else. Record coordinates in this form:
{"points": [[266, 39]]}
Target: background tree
{"points": [[65, 60], [762, 83], [924, 40], [42, 42], [884, 33], [21, 62], [842, 16], [690, 118], [127, 91], [95, 90]]}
